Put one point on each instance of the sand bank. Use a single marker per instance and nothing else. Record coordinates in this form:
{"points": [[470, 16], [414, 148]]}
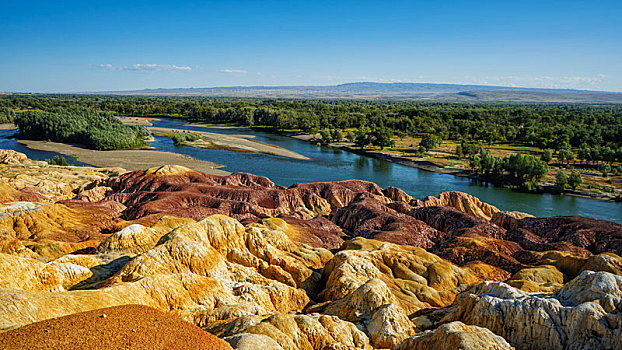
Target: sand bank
{"points": [[127, 159], [138, 120], [240, 143]]}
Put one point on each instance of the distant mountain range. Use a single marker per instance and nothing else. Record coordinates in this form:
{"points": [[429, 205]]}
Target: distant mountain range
{"points": [[393, 91]]}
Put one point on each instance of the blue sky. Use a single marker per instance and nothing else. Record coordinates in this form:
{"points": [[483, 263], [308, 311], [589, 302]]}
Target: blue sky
{"points": [[64, 46]]}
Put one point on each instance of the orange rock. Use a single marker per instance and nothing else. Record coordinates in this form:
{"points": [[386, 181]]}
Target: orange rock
{"points": [[119, 327]]}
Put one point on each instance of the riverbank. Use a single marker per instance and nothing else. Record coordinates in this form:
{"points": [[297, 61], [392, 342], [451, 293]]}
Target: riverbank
{"points": [[427, 165], [126, 159], [238, 143]]}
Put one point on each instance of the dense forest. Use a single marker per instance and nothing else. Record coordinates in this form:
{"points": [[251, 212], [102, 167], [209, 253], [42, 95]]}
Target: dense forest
{"points": [[590, 133], [95, 130]]}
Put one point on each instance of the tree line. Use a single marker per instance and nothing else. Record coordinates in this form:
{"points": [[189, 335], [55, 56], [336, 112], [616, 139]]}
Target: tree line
{"points": [[590, 132]]}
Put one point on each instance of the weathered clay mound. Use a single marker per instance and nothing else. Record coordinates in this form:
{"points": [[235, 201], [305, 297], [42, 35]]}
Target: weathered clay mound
{"points": [[152, 193], [454, 224], [371, 218], [10, 194], [80, 224], [119, 327], [243, 196], [595, 236]]}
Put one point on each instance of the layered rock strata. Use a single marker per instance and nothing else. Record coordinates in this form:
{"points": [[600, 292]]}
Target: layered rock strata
{"points": [[322, 265]]}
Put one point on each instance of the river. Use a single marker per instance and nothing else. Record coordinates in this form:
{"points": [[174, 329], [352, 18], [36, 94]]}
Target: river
{"points": [[329, 164]]}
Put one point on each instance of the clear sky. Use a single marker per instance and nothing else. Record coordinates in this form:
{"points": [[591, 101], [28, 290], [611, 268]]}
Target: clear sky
{"points": [[65, 46]]}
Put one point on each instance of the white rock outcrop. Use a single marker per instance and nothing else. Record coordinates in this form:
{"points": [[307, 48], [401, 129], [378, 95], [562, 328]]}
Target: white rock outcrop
{"points": [[585, 314]]}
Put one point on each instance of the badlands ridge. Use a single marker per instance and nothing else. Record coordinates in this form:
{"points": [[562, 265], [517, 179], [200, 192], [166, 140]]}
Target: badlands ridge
{"points": [[95, 258]]}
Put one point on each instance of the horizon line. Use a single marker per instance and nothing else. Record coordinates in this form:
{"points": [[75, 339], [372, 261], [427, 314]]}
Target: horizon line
{"points": [[510, 87]]}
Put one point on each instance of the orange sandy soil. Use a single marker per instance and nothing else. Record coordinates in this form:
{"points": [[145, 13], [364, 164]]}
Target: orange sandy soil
{"points": [[123, 327]]}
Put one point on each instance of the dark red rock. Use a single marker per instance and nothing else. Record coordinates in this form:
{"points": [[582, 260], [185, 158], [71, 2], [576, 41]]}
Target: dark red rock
{"points": [[371, 218], [454, 222], [568, 233], [319, 231], [359, 208]]}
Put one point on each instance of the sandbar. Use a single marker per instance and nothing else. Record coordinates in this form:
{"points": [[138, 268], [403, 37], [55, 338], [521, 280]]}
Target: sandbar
{"points": [[126, 159], [240, 143]]}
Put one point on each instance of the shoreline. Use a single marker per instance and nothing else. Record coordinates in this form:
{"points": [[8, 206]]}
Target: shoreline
{"points": [[429, 166], [134, 159]]}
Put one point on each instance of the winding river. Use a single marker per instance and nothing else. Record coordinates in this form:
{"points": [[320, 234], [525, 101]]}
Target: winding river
{"points": [[329, 164]]}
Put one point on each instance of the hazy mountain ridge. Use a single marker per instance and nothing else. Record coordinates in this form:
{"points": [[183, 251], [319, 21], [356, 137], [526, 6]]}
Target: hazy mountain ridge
{"points": [[408, 91]]}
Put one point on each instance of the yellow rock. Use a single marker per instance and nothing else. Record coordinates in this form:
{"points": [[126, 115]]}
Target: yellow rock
{"points": [[541, 279], [461, 201], [210, 270], [416, 278], [297, 332], [456, 336]]}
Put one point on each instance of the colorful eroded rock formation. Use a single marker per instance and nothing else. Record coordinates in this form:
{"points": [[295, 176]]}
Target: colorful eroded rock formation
{"points": [[321, 265]]}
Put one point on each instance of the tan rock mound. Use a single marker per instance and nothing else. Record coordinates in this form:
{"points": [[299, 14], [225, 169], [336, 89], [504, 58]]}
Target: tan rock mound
{"points": [[539, 279], [416, 278], [10, 194], [297, 332], [10, 157], [48, 182], [374, 308], [250, 341], [455, 336], [121, 327], [136, 238], [571, 266], [28, 274]]}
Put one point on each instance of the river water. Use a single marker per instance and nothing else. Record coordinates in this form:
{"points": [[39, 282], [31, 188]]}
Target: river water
{"points": [[329, 164]]}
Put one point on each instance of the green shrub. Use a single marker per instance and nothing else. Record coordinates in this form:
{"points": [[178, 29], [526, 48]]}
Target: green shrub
{"points": [[58, 161], [100, 131], [180, 138]]}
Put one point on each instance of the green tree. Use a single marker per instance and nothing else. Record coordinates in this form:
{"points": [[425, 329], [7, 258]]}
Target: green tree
{"points": [[58, 160], [381, 136], [430, 141], [325, 136], [459, 151], [401, 134], [180, 138], [565, 155], [488, 162], [362, 137], [6, 115], [351, 136], [336, 135], [561, 180], [475, 162], [574, 180], [604, 169], [547, 156]]}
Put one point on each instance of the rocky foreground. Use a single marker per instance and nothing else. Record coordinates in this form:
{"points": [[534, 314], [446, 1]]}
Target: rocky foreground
{"points": [[320, 265]]}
